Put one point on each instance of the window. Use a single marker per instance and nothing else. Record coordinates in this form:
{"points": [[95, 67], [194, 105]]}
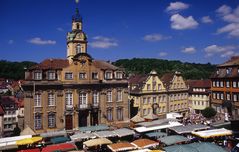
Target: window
{"points": [[69, 99], [68, 75], [214, 95], [228, 84], [83, 99], [144, 112], [154, 99], [149, 110], [82, 75], [154, 86], [228, 96], [218, 96], [38, 121], [51, 120], [148, 100], [51, 99], [213, 83], [51, 75], [119, 95], [109, 96], [119, 75], [160, 98], [229, 70], [221, 84], [234, 84], [110, 114], [222, 96], [159, 86], [108, 75], [95, 98], [37, 100], [217, 83], [144, 101], [119, 114], [38, 75], [78, 48], [235, 97], [148, 86], [94, 75]]}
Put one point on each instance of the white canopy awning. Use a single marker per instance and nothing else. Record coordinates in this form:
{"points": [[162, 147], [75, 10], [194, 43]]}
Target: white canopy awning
{"points": [[213, 133], [158, 127]]}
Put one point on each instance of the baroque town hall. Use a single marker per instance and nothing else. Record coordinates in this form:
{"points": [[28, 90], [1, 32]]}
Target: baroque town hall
{"points": [[74, 92]]}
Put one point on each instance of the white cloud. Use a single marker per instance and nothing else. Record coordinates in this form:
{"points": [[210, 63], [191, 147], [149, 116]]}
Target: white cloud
{"points": [[60, 29], [39, 41], [206, 19], [189, 50], [162, 54], [232, 30], [103, 42], [182, 23], [10, 41], [155, 37], [176, 7], [232, 17], [223, 51], [224, 9]]}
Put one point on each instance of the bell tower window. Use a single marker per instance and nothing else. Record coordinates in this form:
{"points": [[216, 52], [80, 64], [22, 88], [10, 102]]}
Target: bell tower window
{"points": [[77, 26], [78, 48]]}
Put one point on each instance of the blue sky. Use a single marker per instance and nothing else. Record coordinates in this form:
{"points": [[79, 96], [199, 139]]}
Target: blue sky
{"points": [[188, 30]]}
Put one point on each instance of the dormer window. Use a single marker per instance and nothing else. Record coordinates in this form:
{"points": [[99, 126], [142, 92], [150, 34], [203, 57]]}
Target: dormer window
{"points": [[119, 75], [108, 75], [78, 48], [95, 75], [229, 70], [82, 75], [37, 75], [51, 75], [217, 72], [68, 75]]}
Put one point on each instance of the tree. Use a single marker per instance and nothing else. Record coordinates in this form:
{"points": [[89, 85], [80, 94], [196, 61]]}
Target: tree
{"points": [[209, 112]]}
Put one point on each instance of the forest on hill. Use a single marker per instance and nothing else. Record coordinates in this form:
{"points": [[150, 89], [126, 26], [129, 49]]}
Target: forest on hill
{"points": [[144, 66], [14, 70]]}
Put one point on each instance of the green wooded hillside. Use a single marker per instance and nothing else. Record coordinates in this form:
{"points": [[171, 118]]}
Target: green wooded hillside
{"points": [[14, 70], [144, 66]]}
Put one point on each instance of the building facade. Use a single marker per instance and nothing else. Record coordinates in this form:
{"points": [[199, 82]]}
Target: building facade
{"points": [[225, 87], [199, 95], [177, 92], [159, 95], [1, 121], [148, 93], [74, 92]]}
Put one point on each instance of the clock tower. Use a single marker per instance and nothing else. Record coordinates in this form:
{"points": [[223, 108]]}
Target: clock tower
{"points": [[76, 39]]}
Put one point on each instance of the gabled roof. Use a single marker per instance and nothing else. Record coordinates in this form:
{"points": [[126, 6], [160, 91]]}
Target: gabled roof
{"points": [[137, 79], [232, 62], [51, 64], [167, 78], [199, 83]]}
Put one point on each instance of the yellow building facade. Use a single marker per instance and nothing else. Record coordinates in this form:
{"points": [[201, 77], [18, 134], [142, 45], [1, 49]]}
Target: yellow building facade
{"points": [[152, 94]]}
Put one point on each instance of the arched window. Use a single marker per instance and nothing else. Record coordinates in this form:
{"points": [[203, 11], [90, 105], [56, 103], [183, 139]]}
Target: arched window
{"points": [[78, 48], [77, 26]]}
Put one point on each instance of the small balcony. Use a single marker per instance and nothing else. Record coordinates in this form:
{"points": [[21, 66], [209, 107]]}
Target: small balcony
{"points": [[69, 107]]}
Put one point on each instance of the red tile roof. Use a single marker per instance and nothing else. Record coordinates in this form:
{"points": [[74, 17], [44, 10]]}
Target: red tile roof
{"points": [[199, 83], [104, 65], [51, 64], [167, 78], [136, 79], [1, 111], [233, 61], [59, 147]]}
